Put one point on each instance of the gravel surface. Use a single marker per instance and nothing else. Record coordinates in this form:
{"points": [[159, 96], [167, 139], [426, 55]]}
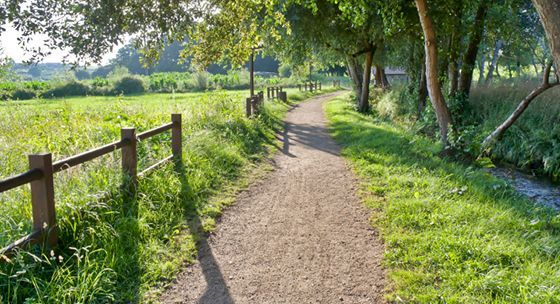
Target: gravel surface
{"points": [[300, 235]]}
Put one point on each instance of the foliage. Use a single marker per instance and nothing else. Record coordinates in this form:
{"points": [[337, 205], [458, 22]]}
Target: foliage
{"points": [[200, 80], [531, 144], [285, 71], [129, 85], [72, 88], [23, 94], [453, 233]]}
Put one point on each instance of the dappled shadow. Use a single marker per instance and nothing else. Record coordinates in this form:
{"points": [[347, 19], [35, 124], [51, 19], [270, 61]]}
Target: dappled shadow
{"points": [[216, 288], [310, 136]]}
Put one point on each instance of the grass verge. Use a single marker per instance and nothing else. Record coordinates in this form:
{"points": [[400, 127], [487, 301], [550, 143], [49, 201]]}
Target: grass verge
{"points": [[453, 233], [117, 247]]}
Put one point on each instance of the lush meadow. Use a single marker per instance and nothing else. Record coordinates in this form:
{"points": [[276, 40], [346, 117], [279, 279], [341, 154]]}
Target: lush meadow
{"points": [[453, 233], [115, 247]]}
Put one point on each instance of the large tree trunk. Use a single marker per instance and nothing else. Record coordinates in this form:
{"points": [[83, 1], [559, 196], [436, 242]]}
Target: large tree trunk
{"points": [[493, 65], [469, 58], [384, 81], [378, 80], [363, 106], [422, 91], [549, 11], [356, 74], [434, 89], [496, 134], [381, 80]]}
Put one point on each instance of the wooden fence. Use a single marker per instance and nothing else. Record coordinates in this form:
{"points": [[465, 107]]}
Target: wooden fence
{"points": [[336, 83], [310, 86], [42, 169], [254, 103]]}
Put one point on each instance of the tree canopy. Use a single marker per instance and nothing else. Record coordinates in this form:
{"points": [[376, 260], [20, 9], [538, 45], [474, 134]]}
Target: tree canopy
{"points": [[460, 36]]}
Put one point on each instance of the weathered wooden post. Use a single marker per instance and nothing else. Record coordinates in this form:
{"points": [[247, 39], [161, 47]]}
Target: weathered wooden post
{"points": [[299, 87], [129, 157], [42, 199], [311, 87], [277, 91], [248, 107], [255, 104], [268, 92], [320, 86], [283, 96], [305, 86], [177, 137]]}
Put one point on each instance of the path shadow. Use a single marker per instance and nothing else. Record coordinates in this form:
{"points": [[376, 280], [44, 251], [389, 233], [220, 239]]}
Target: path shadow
{"points": [[312, 136], [217, 291]]}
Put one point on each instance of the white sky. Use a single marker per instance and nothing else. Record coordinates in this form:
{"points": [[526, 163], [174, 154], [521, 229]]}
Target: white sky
{"points": [[9, 43]]}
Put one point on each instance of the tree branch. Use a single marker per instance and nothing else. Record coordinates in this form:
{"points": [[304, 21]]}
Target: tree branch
{"points": [[500, 130]]}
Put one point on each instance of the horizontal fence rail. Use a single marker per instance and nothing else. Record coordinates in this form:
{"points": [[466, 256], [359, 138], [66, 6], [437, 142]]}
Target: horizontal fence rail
{"points": [[41, 177], [20, 180]]}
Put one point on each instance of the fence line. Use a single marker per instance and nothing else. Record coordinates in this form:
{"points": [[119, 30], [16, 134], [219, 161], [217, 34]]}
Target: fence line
{"points": [[310, 86], [42, 169]]}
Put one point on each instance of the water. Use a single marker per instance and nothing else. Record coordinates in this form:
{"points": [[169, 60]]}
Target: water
{"points": [[537, 189]]}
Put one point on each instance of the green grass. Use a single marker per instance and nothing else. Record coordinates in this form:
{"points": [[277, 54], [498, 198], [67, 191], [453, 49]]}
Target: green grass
{"points": [[116, 247], [453, 233]]}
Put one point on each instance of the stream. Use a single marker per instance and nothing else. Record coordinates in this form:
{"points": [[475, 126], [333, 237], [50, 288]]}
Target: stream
{"points": [[539, 190]]}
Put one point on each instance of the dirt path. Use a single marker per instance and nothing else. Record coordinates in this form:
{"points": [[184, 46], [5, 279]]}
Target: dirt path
{"points": [[299, 236]]}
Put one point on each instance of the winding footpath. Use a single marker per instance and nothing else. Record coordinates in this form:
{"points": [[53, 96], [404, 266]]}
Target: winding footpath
{"points": [[300, 235]]}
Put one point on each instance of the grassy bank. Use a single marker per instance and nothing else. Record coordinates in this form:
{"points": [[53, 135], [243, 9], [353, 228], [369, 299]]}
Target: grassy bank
{"points": [[114, 247], [453, 233], [532, 143]]}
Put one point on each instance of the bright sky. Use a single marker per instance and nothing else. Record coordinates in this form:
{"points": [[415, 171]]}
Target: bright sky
{"points": [[9, 43]]}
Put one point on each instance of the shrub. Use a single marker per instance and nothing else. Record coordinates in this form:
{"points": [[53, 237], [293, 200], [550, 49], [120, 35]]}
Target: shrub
{"points": [[23, 94], [72, 88], [99, 82], [285, 71], [129, 85], [200, 80]]}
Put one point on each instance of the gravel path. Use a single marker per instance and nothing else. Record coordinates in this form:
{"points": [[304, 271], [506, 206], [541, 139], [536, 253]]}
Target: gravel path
{"points": [[300, 235]]}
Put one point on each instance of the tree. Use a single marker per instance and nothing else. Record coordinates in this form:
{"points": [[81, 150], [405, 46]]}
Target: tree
{"points": [[432, 74], [549, 12], [469, 57], [5, 66]]}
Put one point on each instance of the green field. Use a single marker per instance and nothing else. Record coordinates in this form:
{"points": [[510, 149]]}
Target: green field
{"points": [[112, 247], [453, 233]]}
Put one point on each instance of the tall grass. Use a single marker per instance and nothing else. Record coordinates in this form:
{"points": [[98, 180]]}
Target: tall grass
{"points": [[532, 143], [453, 233], [118, 247]]}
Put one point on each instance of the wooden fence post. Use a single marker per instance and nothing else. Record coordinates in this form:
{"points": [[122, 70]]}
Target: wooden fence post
{"points": [[248, 107], [268, 92], [129, 157], [299, 87], [42, 198], [177, 137], [320, 86]]}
